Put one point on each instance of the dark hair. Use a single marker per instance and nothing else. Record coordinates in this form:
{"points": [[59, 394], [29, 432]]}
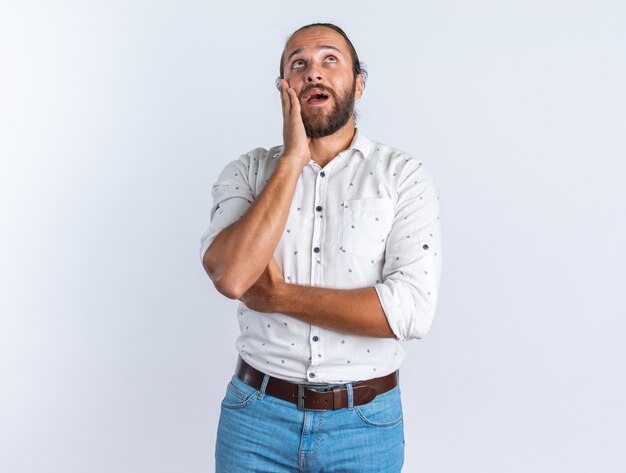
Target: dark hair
{"points": [[357, 66]]}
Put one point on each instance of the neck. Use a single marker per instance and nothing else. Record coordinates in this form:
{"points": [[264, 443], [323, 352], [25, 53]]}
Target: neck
{"points": [[323, 150]]}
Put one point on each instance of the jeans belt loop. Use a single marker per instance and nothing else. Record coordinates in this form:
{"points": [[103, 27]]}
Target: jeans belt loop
{"points": [[350, 396], [263, 387]]}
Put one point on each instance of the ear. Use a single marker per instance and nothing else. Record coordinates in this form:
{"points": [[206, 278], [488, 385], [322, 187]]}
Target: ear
{"points": [[358, 91]]}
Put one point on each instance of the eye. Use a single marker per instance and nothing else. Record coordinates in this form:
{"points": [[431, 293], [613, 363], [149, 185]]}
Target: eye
{"points": [[297, 64], [330, 59]]}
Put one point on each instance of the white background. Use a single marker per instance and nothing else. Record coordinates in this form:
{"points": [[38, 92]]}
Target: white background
{"points": [[117, 116]]}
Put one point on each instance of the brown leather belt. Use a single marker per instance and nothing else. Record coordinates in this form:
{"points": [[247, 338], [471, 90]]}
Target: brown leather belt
{"points": [[309, 397]]}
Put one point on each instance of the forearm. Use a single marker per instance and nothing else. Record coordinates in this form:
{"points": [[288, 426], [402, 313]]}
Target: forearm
{"points": [[240, 252], [355, 311]]}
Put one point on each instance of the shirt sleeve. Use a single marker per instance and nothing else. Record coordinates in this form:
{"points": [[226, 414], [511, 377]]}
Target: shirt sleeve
{"points": [[413, 256], [232, 196]]}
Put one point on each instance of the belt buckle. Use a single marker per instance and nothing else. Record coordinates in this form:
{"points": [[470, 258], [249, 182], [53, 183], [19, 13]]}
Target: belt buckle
{"points": [[301, 390]]}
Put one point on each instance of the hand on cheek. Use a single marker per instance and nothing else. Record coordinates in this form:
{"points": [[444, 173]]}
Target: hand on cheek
{"points": [[295, 139]]}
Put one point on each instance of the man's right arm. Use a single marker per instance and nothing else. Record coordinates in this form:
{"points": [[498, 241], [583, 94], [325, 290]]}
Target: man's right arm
{"points": [[240, 252]]}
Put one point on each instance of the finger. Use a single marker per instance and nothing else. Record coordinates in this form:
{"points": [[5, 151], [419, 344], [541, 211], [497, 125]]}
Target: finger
{"points": [[272, 265], [274, 273], [295, 102], [283, 101], [284, 98]]}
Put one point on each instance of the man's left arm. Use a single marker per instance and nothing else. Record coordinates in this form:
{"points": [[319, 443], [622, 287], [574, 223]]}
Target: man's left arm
{"points": [[403, 305], [356, 311]]}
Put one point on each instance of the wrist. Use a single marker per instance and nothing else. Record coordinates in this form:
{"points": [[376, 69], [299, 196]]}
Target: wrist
{"points": [[294, 159]]}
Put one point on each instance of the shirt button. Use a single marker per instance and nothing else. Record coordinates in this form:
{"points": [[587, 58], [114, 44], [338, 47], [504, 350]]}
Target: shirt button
{"points": [[322, 173], [316, 249], [318, 208], [311, 375], [316, 338]]}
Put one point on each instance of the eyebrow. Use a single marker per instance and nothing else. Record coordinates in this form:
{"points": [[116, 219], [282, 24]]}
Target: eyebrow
{"points": [[324, 46]]}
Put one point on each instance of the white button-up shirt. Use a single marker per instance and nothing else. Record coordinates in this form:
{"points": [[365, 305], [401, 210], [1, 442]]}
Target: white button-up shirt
{"points": [[370, 217]]}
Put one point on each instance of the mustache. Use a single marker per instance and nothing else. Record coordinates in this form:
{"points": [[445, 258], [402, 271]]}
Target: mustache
{"points": [[308, 87]]}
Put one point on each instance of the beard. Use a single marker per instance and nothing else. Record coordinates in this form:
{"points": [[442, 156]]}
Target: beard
{"points": [[318, 123]]}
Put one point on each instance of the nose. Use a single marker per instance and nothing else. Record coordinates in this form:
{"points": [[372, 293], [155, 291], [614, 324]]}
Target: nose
{"points": [[313, 74]]}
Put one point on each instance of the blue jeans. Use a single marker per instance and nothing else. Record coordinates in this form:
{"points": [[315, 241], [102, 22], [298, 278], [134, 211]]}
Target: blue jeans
{"points": [[260, 433]]}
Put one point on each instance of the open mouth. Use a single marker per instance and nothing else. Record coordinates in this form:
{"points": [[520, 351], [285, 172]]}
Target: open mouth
{"points": [[316, 96]]}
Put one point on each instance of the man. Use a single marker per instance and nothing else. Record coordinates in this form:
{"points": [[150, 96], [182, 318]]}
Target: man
{"points": [[332, 243]]}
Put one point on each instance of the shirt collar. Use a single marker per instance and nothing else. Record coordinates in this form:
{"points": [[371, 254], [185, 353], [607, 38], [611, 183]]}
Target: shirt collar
{"points": [[361, 143]]}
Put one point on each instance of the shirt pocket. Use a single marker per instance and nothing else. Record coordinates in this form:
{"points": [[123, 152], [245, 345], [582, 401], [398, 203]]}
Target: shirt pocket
{"points": [[366, 225]]}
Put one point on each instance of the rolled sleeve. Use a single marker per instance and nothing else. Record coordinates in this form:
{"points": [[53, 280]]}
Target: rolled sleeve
{"points": [[232, 196], [413, 256]]}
